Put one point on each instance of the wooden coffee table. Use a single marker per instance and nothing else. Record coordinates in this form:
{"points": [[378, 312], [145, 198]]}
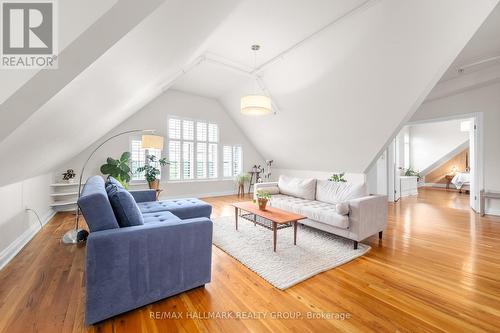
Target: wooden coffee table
{"points": [[271, 218]]}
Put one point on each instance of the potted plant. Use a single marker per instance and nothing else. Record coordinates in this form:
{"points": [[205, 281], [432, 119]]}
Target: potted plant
{"points": [[412, 173], [338, 177], [262, 198], [118, 169], [241, 180], [151, 170]]}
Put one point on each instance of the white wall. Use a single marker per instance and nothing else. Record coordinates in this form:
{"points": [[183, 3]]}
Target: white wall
{"points": [[429, 142], [17, 226], [487, 101], [154, 116], [350, 177]]}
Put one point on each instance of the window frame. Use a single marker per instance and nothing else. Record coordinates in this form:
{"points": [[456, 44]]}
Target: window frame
{"points": [[141, 179], [232, 146], [195, 143]]}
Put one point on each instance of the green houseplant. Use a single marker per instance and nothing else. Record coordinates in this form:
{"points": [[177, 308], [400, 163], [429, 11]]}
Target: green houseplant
{"points": [[151, 170], [262, 198], [118, 169], [410, 172], [338, 177]]}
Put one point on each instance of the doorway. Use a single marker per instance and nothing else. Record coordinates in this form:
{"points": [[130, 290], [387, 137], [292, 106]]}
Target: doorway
{"points": [[442, 153]]}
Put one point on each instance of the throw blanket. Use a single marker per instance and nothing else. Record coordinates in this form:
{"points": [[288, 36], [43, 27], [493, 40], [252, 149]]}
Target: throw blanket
{"points": [[461, 179]]}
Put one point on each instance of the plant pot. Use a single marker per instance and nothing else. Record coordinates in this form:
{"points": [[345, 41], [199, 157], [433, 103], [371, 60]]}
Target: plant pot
{"points": [[262, 203], [154, 185]]}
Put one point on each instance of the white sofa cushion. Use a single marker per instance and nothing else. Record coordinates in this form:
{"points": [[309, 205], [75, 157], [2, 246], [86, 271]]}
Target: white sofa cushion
{"points": [[338, 192], [304, 188], [314, 210]]}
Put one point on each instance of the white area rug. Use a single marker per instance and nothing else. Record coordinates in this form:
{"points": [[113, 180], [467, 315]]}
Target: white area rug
{"points": [[315, 252]]}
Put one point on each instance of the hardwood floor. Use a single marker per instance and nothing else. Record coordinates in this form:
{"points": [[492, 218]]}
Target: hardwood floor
{"points": [[437, 269]]}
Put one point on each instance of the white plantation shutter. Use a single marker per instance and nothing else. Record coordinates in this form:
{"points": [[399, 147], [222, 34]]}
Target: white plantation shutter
{"points": [[201, 131], [174, 156], [212, 160], [193, 149], [188, 130], [232, 159], [227, 160], [174, 129], [188, 160], [237, 160], [201, 160], [138, 158], [213, 132]]}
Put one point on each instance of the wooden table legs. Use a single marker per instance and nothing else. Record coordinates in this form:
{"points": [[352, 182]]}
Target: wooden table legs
{"points": [[236, 216], [275, 229], [295, 233]]}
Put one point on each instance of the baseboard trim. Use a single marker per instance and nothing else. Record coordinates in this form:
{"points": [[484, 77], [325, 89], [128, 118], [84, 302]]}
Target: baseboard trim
{"points": [[490, 211], [16, 246], [441, 185]]}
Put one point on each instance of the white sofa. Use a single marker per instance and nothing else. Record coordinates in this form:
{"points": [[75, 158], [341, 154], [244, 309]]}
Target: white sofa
{"points": [[341, 208]]}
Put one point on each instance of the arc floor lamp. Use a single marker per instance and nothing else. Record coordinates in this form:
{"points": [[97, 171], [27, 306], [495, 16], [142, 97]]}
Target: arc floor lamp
{"points": [[149, 141]]}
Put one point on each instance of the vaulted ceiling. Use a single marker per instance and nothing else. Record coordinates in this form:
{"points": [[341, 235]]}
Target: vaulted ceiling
{"points": [[344, 74]]}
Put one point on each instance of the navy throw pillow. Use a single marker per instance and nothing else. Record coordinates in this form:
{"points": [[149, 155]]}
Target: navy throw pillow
{"points": [[124, 206], [112, 181]]}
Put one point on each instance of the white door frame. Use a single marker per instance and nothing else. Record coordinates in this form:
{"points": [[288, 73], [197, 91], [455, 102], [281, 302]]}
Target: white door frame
{"points": [[478, 162]]}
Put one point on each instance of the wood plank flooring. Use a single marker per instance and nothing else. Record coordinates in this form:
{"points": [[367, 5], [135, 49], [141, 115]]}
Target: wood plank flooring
{"points": [[437, 269]]}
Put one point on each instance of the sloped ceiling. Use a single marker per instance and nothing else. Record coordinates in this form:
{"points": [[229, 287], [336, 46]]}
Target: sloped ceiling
{"points": [[344, 92], [75, 16], [341, 93], [72, 60], [479, 62], [484, 45], [116, 85]]}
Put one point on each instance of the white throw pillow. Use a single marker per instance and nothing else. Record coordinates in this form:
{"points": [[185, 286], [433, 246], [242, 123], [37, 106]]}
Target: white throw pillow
{"points": [[270, 189], [342, 208], [336, 192], [304, 188]]}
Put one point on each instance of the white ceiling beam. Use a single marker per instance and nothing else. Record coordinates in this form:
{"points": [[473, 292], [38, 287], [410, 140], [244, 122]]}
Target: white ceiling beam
{"points": [[298, 44]]}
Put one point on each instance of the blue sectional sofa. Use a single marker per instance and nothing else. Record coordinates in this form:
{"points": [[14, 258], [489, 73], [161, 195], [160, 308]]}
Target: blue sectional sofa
{"points": [[166, 251]]}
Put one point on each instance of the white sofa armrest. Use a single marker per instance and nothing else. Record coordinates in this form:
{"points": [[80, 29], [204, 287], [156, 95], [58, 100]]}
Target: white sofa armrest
{"points": [[368, 216], [262, 186]]}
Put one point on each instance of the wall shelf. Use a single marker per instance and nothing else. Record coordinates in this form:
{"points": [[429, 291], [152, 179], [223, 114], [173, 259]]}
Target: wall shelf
{"points": [[62, 203], [64, 196]]}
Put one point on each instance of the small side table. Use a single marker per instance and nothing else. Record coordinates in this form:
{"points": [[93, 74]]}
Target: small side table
{"points": [[448, 180]]}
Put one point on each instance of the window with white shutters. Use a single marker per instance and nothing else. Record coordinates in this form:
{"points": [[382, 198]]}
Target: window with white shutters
{"points": [[232, 157], [138, 158], [194, 145]]}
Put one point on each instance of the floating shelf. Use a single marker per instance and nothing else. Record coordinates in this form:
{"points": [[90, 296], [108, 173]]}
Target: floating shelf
{"points": [[63, 194], [63, 184], [62, 203]]}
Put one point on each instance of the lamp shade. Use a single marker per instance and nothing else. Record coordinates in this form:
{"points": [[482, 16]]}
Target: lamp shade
{"points": [[256, 105], [152, 142]]}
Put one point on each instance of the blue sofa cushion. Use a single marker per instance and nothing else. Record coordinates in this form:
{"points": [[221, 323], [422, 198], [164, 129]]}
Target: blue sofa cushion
{"points": [[126, 211], [160, 217], [182, 208], [95, 206]]}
